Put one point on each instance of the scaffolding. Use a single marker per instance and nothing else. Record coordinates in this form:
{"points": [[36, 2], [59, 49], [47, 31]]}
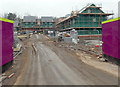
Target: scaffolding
{"points": [[89, 18]]}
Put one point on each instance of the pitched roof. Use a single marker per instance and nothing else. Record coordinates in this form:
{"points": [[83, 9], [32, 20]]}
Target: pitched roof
{"points": [[88, 6], [29, 19], [47, 19]]}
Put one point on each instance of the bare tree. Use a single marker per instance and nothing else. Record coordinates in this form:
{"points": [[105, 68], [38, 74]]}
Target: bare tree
{"points": [[12, 16]]}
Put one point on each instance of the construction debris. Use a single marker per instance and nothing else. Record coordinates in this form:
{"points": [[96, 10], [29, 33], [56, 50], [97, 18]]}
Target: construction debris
{"points": [[11, 75], [102, 60]]}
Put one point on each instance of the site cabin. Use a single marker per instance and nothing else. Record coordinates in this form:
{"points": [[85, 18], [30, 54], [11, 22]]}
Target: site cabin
{"points": [[111, 39], [6, 43]]}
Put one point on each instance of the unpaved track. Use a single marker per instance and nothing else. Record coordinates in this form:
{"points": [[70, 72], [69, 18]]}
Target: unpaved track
{"points": [[49, 65]]}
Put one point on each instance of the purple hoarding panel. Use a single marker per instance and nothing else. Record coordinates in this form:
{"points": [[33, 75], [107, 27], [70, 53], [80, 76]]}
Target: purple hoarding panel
{"points": [[7, 42], [0, 43], [119, 39], [111, 38]]}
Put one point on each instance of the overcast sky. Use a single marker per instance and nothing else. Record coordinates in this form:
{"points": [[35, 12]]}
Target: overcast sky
{"points": [[56, 8]]}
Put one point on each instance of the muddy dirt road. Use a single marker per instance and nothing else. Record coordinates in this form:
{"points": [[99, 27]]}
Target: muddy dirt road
{"points": [[50, 65]]}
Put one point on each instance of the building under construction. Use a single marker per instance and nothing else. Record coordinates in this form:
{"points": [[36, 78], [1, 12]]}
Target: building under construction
{"points": [[47, 22], [34, 24], [87, 21], [30, 23]]}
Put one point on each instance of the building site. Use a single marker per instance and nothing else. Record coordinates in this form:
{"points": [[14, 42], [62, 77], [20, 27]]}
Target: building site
{"points": [[78, 49]]}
